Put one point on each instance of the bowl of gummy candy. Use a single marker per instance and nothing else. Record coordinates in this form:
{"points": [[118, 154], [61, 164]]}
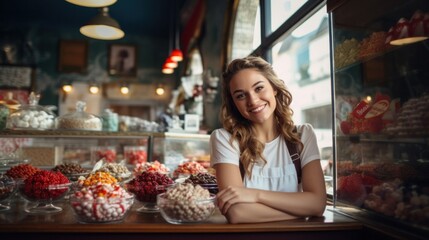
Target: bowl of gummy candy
{"points": [[101, 203], [146, 187], [186, 203]]}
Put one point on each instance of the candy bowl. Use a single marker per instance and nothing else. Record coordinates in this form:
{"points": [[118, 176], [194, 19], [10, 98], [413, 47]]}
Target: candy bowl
{"points": [[101, 203], [212, 187], [205, 180], [7, 189], [146, 187], [178, 211], [43, 197], [43, 188]]}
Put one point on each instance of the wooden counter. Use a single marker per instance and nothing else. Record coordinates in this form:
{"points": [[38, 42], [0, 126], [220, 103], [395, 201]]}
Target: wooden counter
{"points": [[16, 224]]}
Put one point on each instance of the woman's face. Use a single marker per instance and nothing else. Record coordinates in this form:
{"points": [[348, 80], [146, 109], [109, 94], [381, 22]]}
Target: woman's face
{"points": [[253, 95]]}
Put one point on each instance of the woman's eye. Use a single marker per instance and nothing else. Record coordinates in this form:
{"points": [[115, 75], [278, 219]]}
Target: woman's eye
{"points": [[259, 88], [239, 96]]}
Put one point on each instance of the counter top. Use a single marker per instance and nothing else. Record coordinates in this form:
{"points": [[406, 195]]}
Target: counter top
{"points": [[17, 222]]}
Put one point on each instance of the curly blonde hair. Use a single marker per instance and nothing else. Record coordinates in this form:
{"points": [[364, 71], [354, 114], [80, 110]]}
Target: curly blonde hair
{"points": [[240, 128]]}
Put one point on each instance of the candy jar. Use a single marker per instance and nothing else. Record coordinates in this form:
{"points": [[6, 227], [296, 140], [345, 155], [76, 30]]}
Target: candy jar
{"points": [[79, 120], [4, 113], [31, 116], [110, 120]]}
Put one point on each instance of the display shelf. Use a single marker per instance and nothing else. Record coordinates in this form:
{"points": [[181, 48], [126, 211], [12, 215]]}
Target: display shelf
{"points": [[159, 145], [381, 114]]}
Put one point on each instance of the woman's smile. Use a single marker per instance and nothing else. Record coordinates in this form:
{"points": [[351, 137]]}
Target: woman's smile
{"points": [[258, 109]]}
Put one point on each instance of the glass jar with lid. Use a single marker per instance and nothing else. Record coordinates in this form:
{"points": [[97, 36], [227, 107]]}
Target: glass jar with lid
{"points": [[4, 114], [79, 120], [31, 116]]}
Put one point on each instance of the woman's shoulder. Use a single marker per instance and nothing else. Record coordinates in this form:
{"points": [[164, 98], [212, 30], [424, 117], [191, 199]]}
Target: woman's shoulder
{"points": [[220, 133], [305, 127]]}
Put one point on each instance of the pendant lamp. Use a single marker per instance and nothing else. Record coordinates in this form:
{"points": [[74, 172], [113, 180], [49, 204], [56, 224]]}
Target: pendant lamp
{"points": [[103, 27], [92, 3], [167, 70], [176, 55]]}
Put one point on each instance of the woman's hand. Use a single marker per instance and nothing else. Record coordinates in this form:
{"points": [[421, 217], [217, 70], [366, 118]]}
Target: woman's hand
{"points": [[232, 195]]}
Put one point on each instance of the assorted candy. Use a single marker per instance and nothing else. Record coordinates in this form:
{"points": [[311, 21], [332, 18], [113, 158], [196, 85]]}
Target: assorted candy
{"points": [[45, 185], [117, 170], [97, 178], [186, 203], [106, 153], [101, 203], [22, 171], [206, 180], [135, 154], [187, 168], [70, 168], [148, 184], [154, 166]]}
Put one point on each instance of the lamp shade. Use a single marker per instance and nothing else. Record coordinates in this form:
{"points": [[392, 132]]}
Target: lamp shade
{"points": [[103, 27], [176, 55], [92, 3], [170, 63], [167, 70]]}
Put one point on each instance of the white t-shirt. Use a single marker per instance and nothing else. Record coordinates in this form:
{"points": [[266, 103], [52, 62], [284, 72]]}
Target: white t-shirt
{"points": [[279, 173]]}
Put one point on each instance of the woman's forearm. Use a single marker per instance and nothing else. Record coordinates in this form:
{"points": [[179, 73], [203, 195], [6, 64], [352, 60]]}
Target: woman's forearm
{"points": [[302, 204], [255, 212]]}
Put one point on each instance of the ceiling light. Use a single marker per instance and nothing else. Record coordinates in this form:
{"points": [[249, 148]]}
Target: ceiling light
{"points": [[125, 90], [167, 70], [176, 55], [170, 63], [160, 90], [67, 87], [94, 89], [92, 3], [103, 27]]}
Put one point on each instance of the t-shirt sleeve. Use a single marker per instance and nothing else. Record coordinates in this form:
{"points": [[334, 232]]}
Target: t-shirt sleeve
{"points": [[221, 150], [310, 151]]}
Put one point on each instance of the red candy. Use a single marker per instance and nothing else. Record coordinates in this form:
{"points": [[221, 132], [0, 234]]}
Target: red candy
{"points": [[144, 186], [108, 155], [21, 171], [45, 185], [136, 156]]}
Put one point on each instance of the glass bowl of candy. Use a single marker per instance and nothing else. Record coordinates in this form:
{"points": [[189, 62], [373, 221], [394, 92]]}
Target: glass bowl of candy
{"points": [[72, 171], [186, 203], [101, 203], [117, 170], [205, 180], [7, 189], [146, 187], [42, 189]]}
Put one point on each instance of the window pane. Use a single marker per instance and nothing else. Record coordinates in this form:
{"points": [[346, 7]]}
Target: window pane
{"points": [[301, 59], [280, 10], [247, 29]]}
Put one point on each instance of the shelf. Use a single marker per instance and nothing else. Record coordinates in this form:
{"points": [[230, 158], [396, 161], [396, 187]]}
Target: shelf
{"points": [[381, 138], [96, 134]]}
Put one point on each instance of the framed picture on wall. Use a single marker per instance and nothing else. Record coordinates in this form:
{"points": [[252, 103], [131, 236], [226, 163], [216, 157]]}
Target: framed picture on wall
{"points": [[73, 55], [192, 123], [122, 60]]}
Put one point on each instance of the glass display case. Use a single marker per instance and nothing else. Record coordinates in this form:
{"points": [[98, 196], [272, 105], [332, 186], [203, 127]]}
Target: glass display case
{"points": [[380, 65], [50, 148]]}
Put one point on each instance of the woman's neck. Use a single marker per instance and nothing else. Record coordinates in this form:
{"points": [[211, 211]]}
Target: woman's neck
{"points": [[266, 132]]}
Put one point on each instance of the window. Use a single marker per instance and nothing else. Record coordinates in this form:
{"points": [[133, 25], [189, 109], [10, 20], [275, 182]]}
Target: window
{"points": [[280, 10], [301, 59]]}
